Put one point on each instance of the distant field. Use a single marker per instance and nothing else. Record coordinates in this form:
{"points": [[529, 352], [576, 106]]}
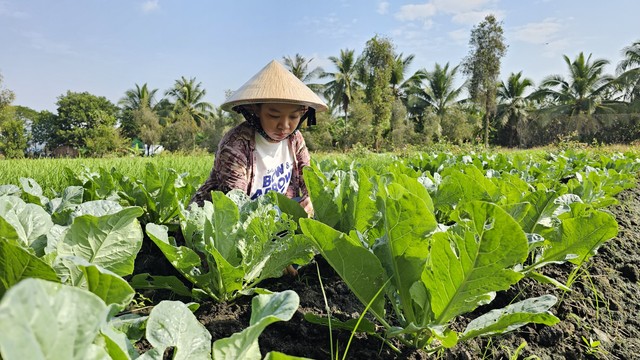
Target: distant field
{"points": [[50, 173]]}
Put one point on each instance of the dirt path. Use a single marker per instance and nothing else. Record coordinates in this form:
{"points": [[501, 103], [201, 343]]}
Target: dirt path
{"points": [[603, 306]]}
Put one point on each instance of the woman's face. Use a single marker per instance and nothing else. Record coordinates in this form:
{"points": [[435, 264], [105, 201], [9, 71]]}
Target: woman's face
{"points": [[280, 120]]}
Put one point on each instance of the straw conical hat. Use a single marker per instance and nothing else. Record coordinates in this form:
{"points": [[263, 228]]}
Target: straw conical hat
{"points": [[275, 84]]}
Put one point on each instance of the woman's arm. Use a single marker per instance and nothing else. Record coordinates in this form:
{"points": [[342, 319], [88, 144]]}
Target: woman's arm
{"points": [[303, 159], [231, 167]]}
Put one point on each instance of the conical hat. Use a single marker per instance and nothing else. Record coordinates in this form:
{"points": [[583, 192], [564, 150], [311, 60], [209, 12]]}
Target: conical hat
{"points": [[274, 84]]}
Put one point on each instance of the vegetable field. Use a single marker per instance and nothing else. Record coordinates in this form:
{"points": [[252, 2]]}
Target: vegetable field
{"points": [[484, 255]]}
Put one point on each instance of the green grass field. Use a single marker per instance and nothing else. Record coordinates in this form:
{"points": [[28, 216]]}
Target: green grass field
{"points": [[50, 173]]}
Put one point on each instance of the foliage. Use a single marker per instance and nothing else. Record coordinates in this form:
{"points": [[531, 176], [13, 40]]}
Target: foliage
{"points": [[232, 243], [188, 101], [377, 64], [340, 90], [135, 100], [46, 320], [583, 93], [440, 238], [439, 232], [84, 122], [628, 71], [148, 124], [6, 96], [513, 108], [266, 309], [13, 134], [299, 67], [181, 134], [483, 66]]}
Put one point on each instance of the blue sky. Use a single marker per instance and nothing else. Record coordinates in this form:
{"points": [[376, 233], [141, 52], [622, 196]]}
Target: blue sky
{"points": [[106, 47]]}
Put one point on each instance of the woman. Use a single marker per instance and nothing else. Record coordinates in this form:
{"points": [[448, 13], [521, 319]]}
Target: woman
{"points": [[266, 152]]}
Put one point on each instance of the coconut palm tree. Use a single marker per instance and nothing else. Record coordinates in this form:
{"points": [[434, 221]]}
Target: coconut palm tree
{"points": [[439, 92], [628, 71], [584, 92], [340, 90], [299, 66], [135, 99], [401, 88], [188, 98], [513, 105]]}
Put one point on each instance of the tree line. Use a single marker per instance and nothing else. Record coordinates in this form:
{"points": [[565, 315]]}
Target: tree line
{"points": [[374, 103]]}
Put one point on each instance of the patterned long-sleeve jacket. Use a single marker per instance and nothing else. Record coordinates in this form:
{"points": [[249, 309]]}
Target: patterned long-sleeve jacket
{"points": [[234, 164]]}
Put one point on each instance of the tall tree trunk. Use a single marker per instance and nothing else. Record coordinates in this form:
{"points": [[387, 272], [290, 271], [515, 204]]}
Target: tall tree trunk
{"points": [[486, 130]]}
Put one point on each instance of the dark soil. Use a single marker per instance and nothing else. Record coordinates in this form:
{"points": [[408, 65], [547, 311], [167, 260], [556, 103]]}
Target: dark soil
{"points": [[603, 306]]}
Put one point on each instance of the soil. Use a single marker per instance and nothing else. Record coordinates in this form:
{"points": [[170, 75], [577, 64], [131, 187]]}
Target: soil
{"points": [[603, 306]]}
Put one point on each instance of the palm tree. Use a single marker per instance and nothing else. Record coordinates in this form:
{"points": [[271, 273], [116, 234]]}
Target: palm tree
{"points": [[628, 71], [188, 99], [436, 91], [340, 90], [299, 66], [584, 92], [399, 86], [135, 99], [439, 92], [513, 105]]}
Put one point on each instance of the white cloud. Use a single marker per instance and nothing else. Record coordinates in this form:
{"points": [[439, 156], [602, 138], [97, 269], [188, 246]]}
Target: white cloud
{"points": [[383, 7], [474, 17], [461, 11], [460, 36], [6, 12], [150, 5], [413, 12], [539, 33]]}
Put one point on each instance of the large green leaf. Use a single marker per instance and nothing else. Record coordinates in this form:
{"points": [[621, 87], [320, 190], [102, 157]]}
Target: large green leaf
{"points": [[45, 320], [10, 190], [473, 259], [513, 316], [265, 310], [355, 264], [267, 241], [30, 222], [460, 187], [403, 247], [32, 192], [185, 260], [541, 212], [111, 288], [321, 191], [17, 263], [148, 281], [116, 344], [358, 199], [172, 324], [111, 240], [579, 236], [220, 226], [61, 208]]}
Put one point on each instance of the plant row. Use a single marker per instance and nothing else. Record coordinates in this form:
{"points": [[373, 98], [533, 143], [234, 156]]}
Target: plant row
{"points": [[420, 242]]}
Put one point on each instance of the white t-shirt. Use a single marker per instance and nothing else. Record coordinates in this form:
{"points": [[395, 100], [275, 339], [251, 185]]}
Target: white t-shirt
{"points": [[274, 165]]}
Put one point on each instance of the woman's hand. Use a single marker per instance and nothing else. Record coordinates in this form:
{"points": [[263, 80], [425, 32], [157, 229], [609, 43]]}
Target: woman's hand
{"points": [[307, 206]]}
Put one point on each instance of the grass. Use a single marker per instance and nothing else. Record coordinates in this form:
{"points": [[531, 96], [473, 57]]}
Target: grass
{"points": [[50, 174]]}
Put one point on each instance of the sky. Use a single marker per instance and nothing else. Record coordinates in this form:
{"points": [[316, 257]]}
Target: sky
{"points": [[106, 47]]}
